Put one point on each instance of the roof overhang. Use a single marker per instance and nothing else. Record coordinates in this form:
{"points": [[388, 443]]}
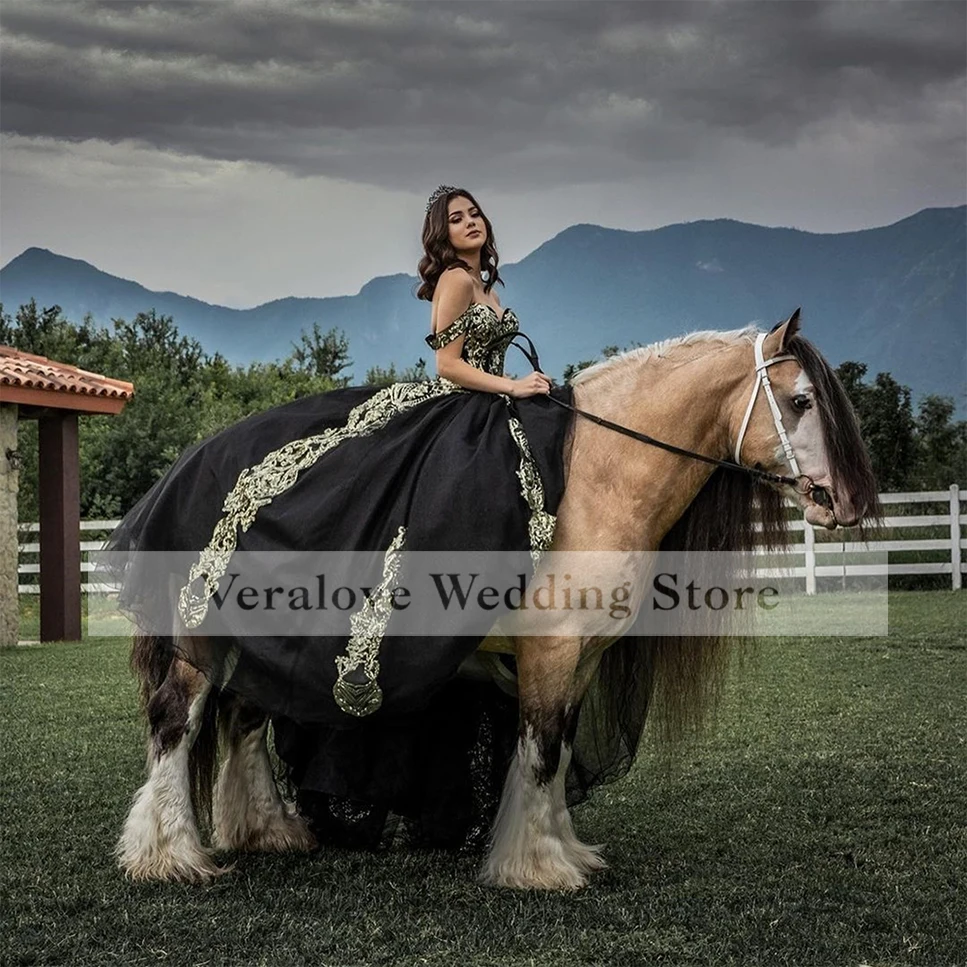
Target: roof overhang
{"points": [[60, 400]]}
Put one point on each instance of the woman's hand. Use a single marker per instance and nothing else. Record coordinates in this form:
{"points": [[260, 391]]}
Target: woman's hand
{"points": [[531, 385]]}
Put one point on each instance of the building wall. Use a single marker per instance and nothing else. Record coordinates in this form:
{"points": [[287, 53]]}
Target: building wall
{"points": [[9, 481]]}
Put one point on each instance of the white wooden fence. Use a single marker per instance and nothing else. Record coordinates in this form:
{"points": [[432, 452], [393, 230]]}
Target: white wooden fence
{"points": [[30, 550], [950, 543], [818, 549]]}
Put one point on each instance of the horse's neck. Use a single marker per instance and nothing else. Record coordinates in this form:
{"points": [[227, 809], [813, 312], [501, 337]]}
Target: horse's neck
{"points": [[639, 491]]}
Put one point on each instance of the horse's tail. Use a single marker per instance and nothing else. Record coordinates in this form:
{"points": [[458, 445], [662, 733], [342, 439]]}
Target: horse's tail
{"points": [[151, 658]]}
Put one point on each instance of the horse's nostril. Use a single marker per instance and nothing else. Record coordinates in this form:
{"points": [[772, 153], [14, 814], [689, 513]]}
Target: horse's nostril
{"points": [[821, 496]]}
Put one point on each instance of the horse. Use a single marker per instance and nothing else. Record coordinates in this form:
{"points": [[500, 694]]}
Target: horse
{"points": [[737, 410]]}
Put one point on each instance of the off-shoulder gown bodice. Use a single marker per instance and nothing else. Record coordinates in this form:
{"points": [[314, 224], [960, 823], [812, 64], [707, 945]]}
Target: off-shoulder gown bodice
{"points": [[482, 326]]}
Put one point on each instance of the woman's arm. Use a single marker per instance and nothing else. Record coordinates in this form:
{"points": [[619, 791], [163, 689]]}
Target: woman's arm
{"points": [[452, 298]]}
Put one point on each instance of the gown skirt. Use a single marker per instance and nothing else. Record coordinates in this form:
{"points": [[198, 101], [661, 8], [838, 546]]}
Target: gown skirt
{"points": [[394, 741]]}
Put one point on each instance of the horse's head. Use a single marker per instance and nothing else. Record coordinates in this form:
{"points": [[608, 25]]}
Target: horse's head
{"points": [[796, 420]]}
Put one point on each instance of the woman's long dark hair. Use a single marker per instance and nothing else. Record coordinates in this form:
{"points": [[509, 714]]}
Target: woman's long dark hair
{"points": [[439, 254]]}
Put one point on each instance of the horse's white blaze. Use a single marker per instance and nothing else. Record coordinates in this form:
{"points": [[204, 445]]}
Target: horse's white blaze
{"points": [[248, 812], [526, 848], [160, 837], [807, 438]]}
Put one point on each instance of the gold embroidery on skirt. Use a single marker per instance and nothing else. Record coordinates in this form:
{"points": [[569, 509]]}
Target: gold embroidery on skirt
{"points": [[368, 625], [259, 485], [540, 527]]}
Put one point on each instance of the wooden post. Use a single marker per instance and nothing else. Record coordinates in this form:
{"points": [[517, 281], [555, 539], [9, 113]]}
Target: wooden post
{"points": [[809, 540], [956, 581], [60, 531]]}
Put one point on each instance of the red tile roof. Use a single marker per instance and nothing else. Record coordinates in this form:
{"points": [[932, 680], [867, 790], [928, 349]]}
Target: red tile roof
{"points": [[37, 380]]}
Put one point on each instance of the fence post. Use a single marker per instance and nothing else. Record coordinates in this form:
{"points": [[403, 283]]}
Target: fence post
{"points": [[809, 540], [955, 578]]}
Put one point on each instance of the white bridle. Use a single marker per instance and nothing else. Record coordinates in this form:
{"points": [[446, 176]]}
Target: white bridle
{"points": [[762, 379]]}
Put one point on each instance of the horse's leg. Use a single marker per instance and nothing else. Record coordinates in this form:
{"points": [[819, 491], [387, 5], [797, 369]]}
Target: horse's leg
{"points": [[160, 838], [527, 849], [249, 813], [586, 858]]}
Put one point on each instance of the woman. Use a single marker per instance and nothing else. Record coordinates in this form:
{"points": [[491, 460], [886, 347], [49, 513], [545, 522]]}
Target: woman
{"points": [[370, 726], [456, 234]]}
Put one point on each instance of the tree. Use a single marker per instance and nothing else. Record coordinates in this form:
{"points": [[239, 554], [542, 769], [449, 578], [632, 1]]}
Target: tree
{"points": [[942, 445], [181, 396], [572, 369], [41, 332], [123, 455], [233, 393], [322, 354], [377, 376], [887, 425]]}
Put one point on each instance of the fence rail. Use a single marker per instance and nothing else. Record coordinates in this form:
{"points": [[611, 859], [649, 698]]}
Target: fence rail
{"points": [[816, 544]]}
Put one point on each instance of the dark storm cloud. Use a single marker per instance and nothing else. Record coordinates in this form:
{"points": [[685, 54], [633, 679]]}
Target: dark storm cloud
{"points": [[384, 92]]}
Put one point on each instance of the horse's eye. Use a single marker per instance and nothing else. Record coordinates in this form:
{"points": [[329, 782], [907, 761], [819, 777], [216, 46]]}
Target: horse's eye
{"points": [[801, 402]]}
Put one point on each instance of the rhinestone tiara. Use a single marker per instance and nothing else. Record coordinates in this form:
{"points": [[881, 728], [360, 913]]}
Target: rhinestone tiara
{"points": [[441, 190]]}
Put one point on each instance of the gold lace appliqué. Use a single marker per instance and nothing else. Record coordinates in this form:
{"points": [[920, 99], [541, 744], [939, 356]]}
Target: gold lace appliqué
{"points": [[444, 337], [540, 527], [481, 325], [259, 485], [368, 626]]}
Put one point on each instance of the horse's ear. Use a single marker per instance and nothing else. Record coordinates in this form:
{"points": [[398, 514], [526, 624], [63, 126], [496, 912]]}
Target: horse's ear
{"points": [[779, 336]]}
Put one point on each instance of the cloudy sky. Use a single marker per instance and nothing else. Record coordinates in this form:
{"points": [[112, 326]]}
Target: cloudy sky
{"points": [[244, 151]]}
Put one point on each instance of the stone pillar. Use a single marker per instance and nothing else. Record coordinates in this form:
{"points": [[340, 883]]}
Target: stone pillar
{"points": [[9, 481]]}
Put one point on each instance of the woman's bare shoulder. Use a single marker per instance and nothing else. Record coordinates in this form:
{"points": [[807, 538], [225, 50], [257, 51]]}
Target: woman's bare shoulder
{"points": [[452, 298], [454, 288], [456, 279]]}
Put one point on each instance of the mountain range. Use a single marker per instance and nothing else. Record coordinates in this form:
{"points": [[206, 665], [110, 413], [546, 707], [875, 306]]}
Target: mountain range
{"points": [[893, 297]]}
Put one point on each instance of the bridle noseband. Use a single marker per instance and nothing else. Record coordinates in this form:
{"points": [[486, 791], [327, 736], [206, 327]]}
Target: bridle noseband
{"points": [[801, 483]]}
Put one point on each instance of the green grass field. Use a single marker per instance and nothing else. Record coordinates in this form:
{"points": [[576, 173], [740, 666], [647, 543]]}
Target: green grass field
{"points": [[822, 819]]}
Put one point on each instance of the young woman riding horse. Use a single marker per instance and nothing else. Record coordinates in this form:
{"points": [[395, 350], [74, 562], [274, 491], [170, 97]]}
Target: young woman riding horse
{"points": [[378, 731]]}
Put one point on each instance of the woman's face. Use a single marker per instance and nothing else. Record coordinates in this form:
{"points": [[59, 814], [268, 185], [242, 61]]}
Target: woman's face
{"points": [[467, 228]]}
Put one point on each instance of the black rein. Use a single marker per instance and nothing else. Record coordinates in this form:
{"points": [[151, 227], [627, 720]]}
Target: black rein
{"points": [[532, 358]]}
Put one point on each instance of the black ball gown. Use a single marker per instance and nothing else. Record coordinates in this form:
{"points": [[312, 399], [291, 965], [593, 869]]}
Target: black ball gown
{"points": [[372, 729]]}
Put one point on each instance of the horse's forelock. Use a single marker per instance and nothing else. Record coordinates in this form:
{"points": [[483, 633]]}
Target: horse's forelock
{"points": [[849, 462]]}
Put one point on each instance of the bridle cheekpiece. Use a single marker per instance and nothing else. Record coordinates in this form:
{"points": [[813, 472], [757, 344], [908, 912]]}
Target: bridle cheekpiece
{"points": [[762, 379]]}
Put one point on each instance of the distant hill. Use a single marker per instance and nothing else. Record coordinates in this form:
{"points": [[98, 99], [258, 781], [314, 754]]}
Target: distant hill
{"points": [[892, 297]]}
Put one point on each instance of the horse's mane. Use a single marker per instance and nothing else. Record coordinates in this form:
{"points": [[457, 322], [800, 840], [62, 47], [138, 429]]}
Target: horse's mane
{"points": [[682, 676], [656, 350]]}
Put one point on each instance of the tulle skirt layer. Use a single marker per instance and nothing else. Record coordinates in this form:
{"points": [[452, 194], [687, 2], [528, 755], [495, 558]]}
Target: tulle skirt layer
{"points": [[412, 467]]}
